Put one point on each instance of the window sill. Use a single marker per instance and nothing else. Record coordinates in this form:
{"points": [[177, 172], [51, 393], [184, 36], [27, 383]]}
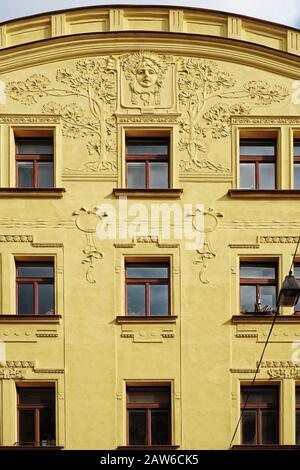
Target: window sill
{"points": [[148, 193], [266, 447], [264, 193], [167, 447], [140, 319], [16, 447], [32, 193], [31, 318], [265, 319]]}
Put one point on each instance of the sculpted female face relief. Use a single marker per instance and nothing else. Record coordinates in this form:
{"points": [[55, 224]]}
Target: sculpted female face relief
{"points": [[146, 74]]}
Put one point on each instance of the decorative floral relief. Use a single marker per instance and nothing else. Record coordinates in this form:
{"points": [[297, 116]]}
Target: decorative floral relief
{"points": [[200, 81], [93, 80]]}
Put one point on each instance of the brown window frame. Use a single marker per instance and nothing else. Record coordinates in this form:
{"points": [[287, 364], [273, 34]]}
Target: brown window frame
{"points": [[36, 407], [257, 159], [297, 263], [147, 158], [296, 158], [36, 281], [148, 407], [35, 158], [259, 407], [147, 282], [258, 281], [297, 409]]}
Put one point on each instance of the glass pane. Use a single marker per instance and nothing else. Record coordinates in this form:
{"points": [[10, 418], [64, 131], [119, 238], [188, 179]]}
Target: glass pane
{"points": [[45, 174], [147, 272], [46, 299], [296, 149], [257, 148], [249, 427], [44, 270], [269, 427], [298, 395], [265, 395], [297, 176], [159, 299], [37, 396], [248, 299], [298, 427], [35, 146], [136, 300], [159, 175], [160, 427], [26, 427], [47, 427], [247, 175], [137, 427], [266, 176], [147, 148], [25, 174], [268, 298], [254, 271], [136, 175], [25, 299], [148, 395]]}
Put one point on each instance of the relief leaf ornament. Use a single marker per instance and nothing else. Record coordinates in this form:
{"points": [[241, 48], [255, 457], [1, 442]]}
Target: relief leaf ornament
{"points": [[93, 80], [200, 81]]}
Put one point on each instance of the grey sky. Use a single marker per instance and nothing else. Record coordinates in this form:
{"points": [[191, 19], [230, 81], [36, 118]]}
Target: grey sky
{"points": [[285, 12]]}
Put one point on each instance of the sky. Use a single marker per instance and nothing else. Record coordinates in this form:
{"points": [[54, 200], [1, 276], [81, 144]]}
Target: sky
{"points": [[280, 11]]}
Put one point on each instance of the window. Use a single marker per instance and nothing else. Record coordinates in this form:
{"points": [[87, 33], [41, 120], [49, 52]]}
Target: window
{"points": [[260, 417], [36, 416], [296, 164], [297, 276], [147, 163], [258, 287], [34, 162], [257, 163], [298, 415], [148, 416], [147, 289], [35, 287]]}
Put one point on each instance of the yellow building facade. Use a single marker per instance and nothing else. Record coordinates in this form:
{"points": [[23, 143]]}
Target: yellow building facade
{"points": [[149, 212]]}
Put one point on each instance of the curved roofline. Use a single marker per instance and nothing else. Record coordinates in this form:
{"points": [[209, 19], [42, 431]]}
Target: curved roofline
{"points": [[173, 7]]}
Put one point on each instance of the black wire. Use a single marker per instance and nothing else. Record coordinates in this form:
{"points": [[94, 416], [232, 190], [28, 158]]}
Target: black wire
{"points": [[262, 354]]}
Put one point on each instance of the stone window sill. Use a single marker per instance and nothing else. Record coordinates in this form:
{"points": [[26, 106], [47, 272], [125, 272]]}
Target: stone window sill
{"points": [[17, 447], [30, 318], [53, 193], [265, 319], [142, 319], [266, 447], [148, 193], [264, 193], [167, 447]]}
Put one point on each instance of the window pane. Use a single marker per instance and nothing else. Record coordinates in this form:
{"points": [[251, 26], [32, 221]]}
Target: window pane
{"points": [[266, 176], [26, 427], [147, 148], [160, 427], [35, 146], [45, 174], [25, 299], [257, 148], [136, 300], [46, 299], [297, 176], [44, 270], [137, 427], [136, 175], [37, 396], [256, 271], [249, 427], [248, 299], [159, 299], [47, 427], [265, 395], [148, 395], [297, 271], [298, 395], [268, 297], [159, 175], [269, 427], [298, 427], [147, 272], [25, 174], [247, 175], [296, 149]]}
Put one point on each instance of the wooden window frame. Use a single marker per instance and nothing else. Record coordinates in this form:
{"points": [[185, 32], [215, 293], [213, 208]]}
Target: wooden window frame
{"points": [[257, 159], [36, 407], [297, 408], [258, 407], [34, 158], [258, 281], [296, 158], [147, 282], [297, 262], [148, 407], [36, 281], [147, 158]]}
